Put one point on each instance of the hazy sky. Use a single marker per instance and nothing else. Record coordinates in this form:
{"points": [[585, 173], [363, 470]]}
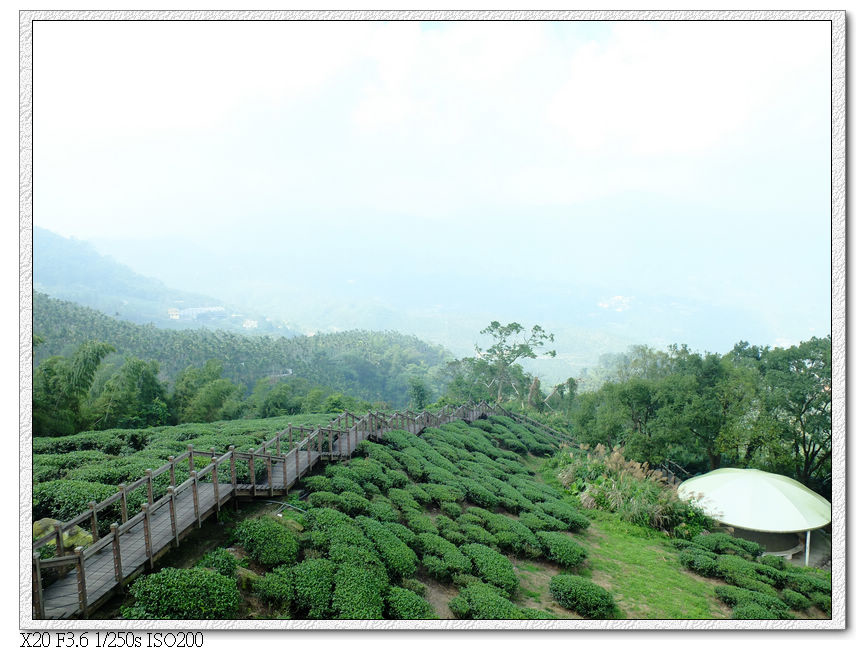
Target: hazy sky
{"points": [[683, 158]]}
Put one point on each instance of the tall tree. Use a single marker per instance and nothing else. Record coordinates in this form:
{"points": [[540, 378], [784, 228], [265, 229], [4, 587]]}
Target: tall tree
{"points": [[511, 343], [799, 399], [60, 385]]}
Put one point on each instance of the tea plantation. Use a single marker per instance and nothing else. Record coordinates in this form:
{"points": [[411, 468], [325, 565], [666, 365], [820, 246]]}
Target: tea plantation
{"points": [[455, 523]]}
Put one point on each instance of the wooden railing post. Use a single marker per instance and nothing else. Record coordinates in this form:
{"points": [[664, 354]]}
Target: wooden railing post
{"points": [[297, 463], [308, 454], [82, 584], [215, 479], [58, 533], [320, 436], [285, 472], [172, 511], [269, 461], [148, 542], [94, 521], [195, 508], [190, 449], [290, 437], [252, 469], [330, 442], [149, 473], [172, 480], [115, 549], [278, 436], [233, 465], [38, 601], [124, 510]]}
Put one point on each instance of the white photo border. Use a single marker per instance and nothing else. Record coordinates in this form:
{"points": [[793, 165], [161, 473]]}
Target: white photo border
{"points": [[838, 310]]}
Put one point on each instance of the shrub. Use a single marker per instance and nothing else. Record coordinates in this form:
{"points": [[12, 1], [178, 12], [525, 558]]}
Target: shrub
{"points": [[775, 562], [795, 600], [275, 588], [356, 594], [451, 509], [402, 532], [380, 508], [48, 467], [823, 601], [734, 596], [354, 504], [480, 601], [442, 494], [562, 549], [221, 561], [415, 585], [492, 567], [327, 500], [344, 484], [420, 495], [183, 594], [751, 611], [418, 522], [700, 561], [313, 587], [478, 535], [267, 541], [724, 543], [317, 483], [536, 521], [565, 513], [403, 500], [63, 499], [583, 596], [399, 559], [450, 559], [807, 584], [404, 604]]}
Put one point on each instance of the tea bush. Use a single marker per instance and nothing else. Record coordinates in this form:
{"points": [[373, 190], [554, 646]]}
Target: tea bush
{"points": [[354, 504], [480, 601], [561, 549], [795, 600], [583, 596], [565, 513], [724, 543], [267, 541], [399, 559], [441, 558], [735, 596], [221, 561], [492, 567], [183, 593], [381, 508], [451, 509], [751, 611], [65, 499], [356, 594], [404, 604], [313, 587], [276, 588], [327, 500]]}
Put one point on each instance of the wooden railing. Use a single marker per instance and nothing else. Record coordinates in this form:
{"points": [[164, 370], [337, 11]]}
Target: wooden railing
{"points": [[290, 454]]}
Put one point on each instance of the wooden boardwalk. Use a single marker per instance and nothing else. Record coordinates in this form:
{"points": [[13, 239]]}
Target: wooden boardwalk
{"points": [[86, 577]]}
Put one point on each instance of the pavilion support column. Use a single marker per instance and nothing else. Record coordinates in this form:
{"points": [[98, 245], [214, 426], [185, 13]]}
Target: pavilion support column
{"points": [[807, 547]]}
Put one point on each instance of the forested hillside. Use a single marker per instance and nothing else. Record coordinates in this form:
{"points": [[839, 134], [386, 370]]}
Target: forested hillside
{"points": [[374, 366]]}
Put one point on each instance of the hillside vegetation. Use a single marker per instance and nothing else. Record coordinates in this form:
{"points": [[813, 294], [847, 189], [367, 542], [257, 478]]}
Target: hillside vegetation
{"points": [[372, 366]]}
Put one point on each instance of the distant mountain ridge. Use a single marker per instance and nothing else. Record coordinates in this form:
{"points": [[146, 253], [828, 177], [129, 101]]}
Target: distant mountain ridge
{"points": [[72, 269], [374, 366]]}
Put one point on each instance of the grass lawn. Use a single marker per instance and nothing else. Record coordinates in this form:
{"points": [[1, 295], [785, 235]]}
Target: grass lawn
{"points": [[642, 571]]}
